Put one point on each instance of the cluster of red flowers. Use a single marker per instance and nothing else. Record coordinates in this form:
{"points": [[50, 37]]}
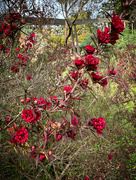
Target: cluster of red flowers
{"points": [[99, 79], [42, 103], [7, 27], [20, 135], [89, 49], [30, 115], [23, 59], [67, 89], [103, 36], [79, 63], [117, 24], [91, 62], [111, 35], [99, 124]]}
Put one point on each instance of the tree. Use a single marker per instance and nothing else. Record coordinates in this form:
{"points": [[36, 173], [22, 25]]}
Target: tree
{"points": [[70, 7]]}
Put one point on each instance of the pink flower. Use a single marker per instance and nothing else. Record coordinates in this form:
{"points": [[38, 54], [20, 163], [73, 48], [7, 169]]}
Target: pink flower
{"points": [[50, 153], [58, 137], [28, 100], [103, 36], [28, 78], [23, 21], [42, 157], [67, 89], [91, 62], [89, 49], [30, 115], [74, 121], [109, 156]]}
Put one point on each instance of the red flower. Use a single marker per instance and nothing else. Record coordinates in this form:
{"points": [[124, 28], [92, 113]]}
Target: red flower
{"points": [[54, 98], [33, 154], [89, 49], [109, 156], [13, 67], [103, 36], [117, 24], [86, 178], [99, 79], [74, 121], [16, 70], [21, 135], [20, 56], [58, 137], [32, 35], [8, 119], [67, 89], [28, 78], [74, 75], [30, 115], [91, 62], [42, 157], [99, 124], [71, 134], [79, 63], [113, 37], [43, 103], [28, 100]]}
